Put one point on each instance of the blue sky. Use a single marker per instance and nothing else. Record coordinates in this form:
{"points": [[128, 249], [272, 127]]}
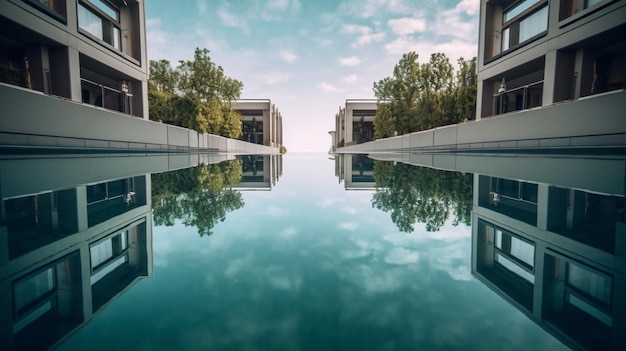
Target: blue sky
{"points": [[308, 57]]}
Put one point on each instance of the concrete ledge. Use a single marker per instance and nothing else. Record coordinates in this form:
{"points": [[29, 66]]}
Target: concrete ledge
{"points": [[575, 124], [33, 120]]}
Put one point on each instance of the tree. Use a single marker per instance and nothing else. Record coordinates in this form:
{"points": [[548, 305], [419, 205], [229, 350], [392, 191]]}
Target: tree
{"points": [[199, 196], [424, 96], [194, 95], [419, 194]]}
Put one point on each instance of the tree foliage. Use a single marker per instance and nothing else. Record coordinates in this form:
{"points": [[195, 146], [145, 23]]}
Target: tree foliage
{"points": [[424, 96], [194, 95], [425, 195], [200, 196]]}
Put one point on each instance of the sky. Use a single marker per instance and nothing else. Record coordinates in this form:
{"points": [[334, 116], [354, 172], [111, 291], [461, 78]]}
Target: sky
{"points": [[309, 56]]}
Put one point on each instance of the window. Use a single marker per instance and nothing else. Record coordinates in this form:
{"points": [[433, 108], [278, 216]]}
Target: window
{"points": [[522, 22], [107, 255], [54, 8], [101, 20], [29, 290]]}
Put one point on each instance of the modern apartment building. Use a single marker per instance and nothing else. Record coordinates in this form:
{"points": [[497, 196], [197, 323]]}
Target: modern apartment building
{"points": [[259, 172], [262, 123], [536, 53], [354, 123], [86, 51]]}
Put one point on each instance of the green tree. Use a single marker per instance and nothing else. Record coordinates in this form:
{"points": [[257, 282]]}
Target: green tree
{"points": [[424, 96], [417, 194], [194, 95], [199, 196]]}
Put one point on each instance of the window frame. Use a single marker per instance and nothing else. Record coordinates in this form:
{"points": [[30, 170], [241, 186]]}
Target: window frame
{"points": [[516, 20], [108, 23]]}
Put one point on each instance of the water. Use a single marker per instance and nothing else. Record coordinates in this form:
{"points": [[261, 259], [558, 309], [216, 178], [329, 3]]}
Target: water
{"points": [[306, 253]]}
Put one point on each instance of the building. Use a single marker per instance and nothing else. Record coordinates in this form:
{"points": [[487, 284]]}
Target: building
{"points": [[73, 76], [259, 172], [355, 171], [262, 123], [556, 252], [91, 52], [68, 249], [537, 53], [354, 123]]}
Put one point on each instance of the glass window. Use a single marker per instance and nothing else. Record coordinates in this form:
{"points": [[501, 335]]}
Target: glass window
{"points": [[533, 24], [29, 290], [506, 39], [511, 266], [592, 284], [101, 252], [116, 38], [89, 21], [523, 251], [108, 269], [521, 7], [106, 8]]}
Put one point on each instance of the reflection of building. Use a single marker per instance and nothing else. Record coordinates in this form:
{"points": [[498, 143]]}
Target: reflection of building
{"points": [[354, 123], [356, 171], [262, 123], [67, 252], [259, 172], [556, 253], [535, 53], [549, 236]]}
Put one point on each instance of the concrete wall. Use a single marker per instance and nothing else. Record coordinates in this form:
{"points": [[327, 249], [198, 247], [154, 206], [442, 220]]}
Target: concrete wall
{"points": [[567, 125], [26, 120]]}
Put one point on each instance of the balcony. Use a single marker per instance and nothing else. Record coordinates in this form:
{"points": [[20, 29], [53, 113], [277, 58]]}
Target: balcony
{"points": [[517, 99]]}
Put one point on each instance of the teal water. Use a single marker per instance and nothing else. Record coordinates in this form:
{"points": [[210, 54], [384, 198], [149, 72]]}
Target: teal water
{"points": [[310, 266], [304, 252]]}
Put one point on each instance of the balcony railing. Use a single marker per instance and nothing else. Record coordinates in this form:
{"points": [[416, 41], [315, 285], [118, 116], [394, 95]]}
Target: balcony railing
{"points": [[520, 98], [106, 97]]}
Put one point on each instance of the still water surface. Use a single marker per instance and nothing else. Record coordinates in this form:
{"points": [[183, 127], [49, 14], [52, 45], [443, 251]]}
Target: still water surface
{"points": [[301, 252]]}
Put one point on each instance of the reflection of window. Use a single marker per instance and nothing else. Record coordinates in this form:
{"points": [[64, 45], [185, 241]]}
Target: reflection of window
{"points": [[29, 290], [522, 22], [589, 291], [109, 190], [515, 190], [107, 255], [515, 254], [101, 20]]}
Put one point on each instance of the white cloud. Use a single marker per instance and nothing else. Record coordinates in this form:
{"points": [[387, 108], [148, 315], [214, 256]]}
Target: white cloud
{"points": [[402, 256], [349, 61], [276, 211], [453, 49], [288, 232], [407, 25], [274, 78], [350, 78], [230, 20], [202, 6], [349, 226], [329, 88], [374, 7], [287, 56], [365, 34], [284, 4], [349, 209]]}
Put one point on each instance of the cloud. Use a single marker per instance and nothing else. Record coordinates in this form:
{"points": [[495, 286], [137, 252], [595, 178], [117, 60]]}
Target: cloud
{"points": [[407, 25], [284, 4], [276, 211], [274, 78], [402, 256], [230, 20], [349, 209], [372, 8], [365, 34], [453, 49], [287, 56], [349, 61], [288, 232], [329, 88], [349, 226]]}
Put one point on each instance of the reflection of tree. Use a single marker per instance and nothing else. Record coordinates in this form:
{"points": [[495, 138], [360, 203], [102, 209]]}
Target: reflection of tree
{"points": [[419, 194], [199, 196]]}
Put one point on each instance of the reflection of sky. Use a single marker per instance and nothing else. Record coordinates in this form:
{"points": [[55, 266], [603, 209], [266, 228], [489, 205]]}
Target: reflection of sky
{"points": [[310, 266]]}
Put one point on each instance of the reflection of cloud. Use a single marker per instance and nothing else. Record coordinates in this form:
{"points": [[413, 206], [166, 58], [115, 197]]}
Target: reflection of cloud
{"points": [[454, 258], [402, 256], [288, 232], [328, 202], [237, 265], [276, 211], [348, 226], [349, 209]]}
